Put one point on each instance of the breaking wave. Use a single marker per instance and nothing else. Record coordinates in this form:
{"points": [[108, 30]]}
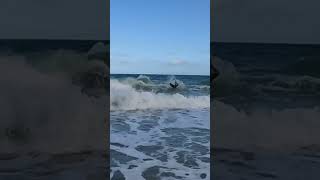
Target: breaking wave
{"points": [[125, 96], [44, 111], [144, 83], [228, 79]]}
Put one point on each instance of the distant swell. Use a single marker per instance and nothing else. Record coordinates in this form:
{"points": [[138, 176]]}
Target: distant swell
{"points": [[123, 96], [307, 66]]}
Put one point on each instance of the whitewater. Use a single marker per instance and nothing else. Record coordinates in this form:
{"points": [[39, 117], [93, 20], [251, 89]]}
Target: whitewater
{"points": [[158, 132]]}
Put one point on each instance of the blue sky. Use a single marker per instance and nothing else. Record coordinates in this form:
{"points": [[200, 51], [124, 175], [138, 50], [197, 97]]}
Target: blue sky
{"points": [[160, 36]]}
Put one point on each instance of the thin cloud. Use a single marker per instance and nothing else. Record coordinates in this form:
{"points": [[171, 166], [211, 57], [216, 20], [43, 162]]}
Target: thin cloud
{"points": [[124, 62], [178, 62]]}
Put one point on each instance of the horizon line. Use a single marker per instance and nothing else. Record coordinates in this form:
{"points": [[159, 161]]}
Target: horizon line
{"points": [[71, 39], [159, 74], [255, 42]]}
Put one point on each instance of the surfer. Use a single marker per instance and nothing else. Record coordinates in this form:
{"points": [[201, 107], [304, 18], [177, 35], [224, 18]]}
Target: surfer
{"points": [[214, 74], [175, 85], [214, 70]]}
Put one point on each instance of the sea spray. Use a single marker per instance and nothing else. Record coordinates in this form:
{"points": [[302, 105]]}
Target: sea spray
{"points": [[125, 97], [39, 108]]}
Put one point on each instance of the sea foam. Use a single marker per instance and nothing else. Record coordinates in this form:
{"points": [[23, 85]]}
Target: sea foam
{"points": [[125, 97]]}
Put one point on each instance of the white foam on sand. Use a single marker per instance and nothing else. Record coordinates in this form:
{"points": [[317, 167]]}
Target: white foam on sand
{"points": [[196, 118]]}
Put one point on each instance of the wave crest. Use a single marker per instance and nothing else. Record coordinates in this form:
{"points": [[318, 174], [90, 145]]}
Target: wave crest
{"points": [[125, 97], [228, 78]]}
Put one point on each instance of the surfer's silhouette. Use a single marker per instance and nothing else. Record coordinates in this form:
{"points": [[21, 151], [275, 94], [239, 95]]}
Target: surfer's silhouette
{"points": [[214, 71], [175, 85]]}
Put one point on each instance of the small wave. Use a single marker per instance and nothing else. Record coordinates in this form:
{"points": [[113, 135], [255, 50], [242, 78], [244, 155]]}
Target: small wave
{"points": [[98, 51], [144, 79], [125, 97], [300, 84], [227, 71], [206, 82], [139, 83], [305, 66], [228, 78], [204, 87]]}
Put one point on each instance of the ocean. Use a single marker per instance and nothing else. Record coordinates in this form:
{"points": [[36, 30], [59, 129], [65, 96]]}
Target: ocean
{"points": [[157, 132], [278, 75], [52, 112], [266, 107]]}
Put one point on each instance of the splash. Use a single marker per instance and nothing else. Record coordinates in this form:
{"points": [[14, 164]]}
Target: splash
{"points": [[38, 108], [228, 79], [123, 96]]}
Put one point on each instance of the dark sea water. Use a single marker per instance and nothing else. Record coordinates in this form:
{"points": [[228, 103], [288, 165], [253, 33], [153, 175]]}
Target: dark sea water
{"points": [[278, 75], [266, 106], [158, 132], [42, 45]]}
